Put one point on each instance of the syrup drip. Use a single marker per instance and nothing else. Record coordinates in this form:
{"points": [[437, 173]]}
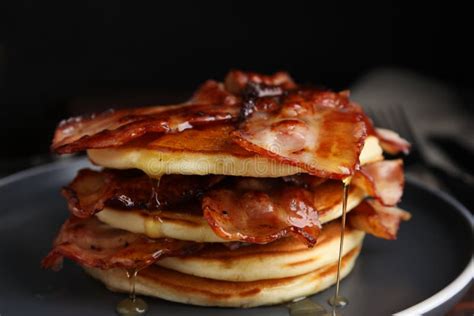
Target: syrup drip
{"points": [[307, 307], [154, 198], [339, 301], [132, 305]]}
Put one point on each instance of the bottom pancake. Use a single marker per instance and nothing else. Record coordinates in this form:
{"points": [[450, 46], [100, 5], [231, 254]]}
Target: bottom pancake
{"points": [[183, 288]]}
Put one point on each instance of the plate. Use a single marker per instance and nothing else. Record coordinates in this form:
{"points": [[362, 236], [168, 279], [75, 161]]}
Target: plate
{"points": [[425, 270]]}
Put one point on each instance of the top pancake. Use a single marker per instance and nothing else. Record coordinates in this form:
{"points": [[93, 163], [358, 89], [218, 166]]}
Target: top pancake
{"points": [[203, 151]]}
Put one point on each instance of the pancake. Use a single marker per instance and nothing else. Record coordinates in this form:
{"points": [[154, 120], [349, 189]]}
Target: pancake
{"points": [[282, 258], [183, 288], [186, 226], [203, 152]]}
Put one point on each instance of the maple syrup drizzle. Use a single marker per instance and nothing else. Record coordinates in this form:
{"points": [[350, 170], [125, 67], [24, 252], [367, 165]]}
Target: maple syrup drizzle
{"points": [[306, 307], [339, 301], [154, 198], [132, 305]]}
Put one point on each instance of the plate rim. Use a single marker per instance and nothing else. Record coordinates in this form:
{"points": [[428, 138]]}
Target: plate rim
{"points": [[425, 306], [462, 280]]}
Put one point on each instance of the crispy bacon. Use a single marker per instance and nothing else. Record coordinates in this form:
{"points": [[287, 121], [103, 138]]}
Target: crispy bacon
{"points": [[92, 190], [321, 132], [391, 142], [243, 209], [383, 180], [92, 243], [376, 219], [114, 128], [260, 211]]}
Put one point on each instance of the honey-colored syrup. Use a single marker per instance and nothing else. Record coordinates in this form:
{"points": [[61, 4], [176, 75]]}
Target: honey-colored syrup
{"points": [[154, 198], [132, 305], [306, 307], [339, 301]]}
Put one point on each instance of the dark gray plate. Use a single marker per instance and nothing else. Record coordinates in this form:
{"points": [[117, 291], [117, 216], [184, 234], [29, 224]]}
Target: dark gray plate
{"points": [[426, 269]]}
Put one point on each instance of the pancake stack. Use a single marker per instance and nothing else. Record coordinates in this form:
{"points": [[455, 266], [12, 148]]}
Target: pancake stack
{"points": [[232, 198]]}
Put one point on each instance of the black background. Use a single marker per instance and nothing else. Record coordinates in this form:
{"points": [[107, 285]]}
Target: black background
{"points": [[68, 57]]}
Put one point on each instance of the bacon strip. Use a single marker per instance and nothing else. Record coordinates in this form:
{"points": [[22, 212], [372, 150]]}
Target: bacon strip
{"points": [[383, 180], [376, 219], [92, 190], [114, 128], [254, 210], [92, 243], [259, 211], [321, 132], [391, 142]]}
